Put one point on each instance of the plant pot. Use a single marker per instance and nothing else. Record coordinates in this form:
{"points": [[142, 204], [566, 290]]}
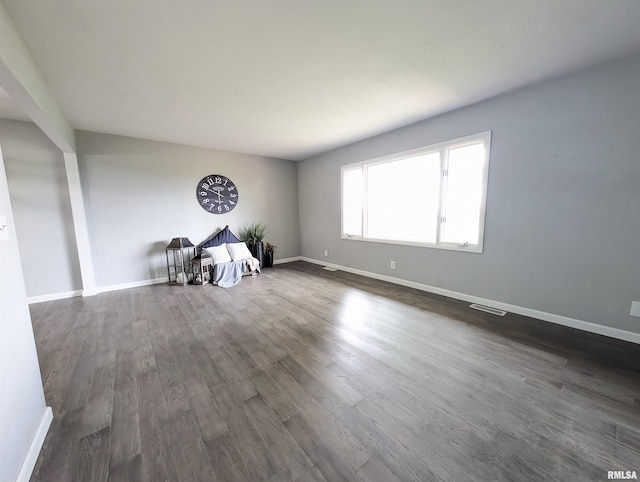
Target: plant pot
{"points": [[268, 259], [257, 251]]}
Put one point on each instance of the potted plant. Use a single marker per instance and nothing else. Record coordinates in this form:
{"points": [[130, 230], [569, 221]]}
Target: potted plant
{"points": [[253, 236], [269, 250]]}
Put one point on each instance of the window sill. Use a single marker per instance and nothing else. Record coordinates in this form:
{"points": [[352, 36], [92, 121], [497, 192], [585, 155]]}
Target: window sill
{"points": [[447, 246]]}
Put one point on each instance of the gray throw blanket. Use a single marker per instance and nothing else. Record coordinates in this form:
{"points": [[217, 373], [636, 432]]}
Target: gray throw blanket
{"points": [[228, 274]]}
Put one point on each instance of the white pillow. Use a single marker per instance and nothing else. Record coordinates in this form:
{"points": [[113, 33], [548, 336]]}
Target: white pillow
{"points": [[219, 254], [238, 251]]}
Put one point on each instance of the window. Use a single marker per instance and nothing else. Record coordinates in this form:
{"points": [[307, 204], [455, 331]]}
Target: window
{"points": [[433, 196]]}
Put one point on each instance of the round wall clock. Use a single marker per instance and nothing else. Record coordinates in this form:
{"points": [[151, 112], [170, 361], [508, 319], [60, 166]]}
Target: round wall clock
{"points": [[217, 194]]}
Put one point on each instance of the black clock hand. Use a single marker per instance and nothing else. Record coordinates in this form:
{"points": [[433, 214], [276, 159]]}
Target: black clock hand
{"points": [[215, 191]]}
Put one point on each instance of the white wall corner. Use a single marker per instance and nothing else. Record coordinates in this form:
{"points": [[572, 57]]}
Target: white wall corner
{"points": [[29, 462]]}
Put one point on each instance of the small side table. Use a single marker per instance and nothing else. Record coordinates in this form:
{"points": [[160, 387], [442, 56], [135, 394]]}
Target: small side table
{"points": [[201, 265]]}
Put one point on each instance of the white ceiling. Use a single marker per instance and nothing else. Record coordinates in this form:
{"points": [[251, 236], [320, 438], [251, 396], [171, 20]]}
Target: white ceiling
{"points": [[293, 78]]}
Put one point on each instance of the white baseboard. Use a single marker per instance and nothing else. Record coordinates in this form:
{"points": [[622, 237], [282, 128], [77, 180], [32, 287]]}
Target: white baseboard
{"points": [[31, 457], [121, 286], [520, 310], [53, 296], [134, 284], [102, 289], [287, 260]]}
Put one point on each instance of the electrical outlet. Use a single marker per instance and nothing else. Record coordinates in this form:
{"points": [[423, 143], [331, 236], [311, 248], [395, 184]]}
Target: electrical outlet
{"points": [[635, 308], [393, 265], [326, 252]]}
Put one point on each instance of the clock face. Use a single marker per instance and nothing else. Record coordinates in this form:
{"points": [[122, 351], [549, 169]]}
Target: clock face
{"points": [[217, 194]]}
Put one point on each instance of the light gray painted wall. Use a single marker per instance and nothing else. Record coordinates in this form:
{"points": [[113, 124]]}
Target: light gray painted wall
{"points": [[22, 402], [139, 194], [40, 196], [563, 211]]}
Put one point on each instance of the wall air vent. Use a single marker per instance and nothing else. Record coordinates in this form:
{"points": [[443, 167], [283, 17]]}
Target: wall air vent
{"points": [[488, 309]]}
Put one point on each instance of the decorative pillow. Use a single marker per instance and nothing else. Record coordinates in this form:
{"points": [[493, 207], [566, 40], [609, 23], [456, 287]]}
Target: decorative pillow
{"points": [[219, 254], [238, 251], [224, 236]]}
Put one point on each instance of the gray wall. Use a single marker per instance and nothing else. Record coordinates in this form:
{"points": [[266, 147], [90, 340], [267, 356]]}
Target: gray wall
{"points": [[22, 402], [40, 196], [139, 194], [563, 210]]}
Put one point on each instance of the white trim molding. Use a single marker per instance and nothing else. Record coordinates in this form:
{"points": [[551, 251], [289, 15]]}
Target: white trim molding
{"points": [[30, 459], [133, 284], [53, 296], [100, 289], [286, 260], [520, 310]]}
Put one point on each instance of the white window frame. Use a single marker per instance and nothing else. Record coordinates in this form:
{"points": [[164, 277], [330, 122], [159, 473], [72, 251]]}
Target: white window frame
{"points": [[444, 148]]}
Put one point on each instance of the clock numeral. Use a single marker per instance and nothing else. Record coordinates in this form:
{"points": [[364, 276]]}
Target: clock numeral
{"points": [[216, 193]]}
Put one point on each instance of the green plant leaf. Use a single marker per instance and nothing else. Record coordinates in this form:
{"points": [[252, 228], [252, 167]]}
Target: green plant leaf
{"points": [[254, 232]]}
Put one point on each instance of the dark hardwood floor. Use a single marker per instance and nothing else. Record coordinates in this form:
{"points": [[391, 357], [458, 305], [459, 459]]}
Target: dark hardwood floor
{"points": [[304, 374]]}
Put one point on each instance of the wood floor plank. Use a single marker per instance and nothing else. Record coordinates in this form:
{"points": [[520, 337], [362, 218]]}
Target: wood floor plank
{"points": [[226, 460], [376, 471], [127, 470], [403, 463], [153, 419], [291, 461], [98, 409], [170, 372], [243, 438], [312, 475], [60, 374], [328, 379], [58, 457], [333, 464], [188, 456], [309, 375], [93, 457], [125, 427]]}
